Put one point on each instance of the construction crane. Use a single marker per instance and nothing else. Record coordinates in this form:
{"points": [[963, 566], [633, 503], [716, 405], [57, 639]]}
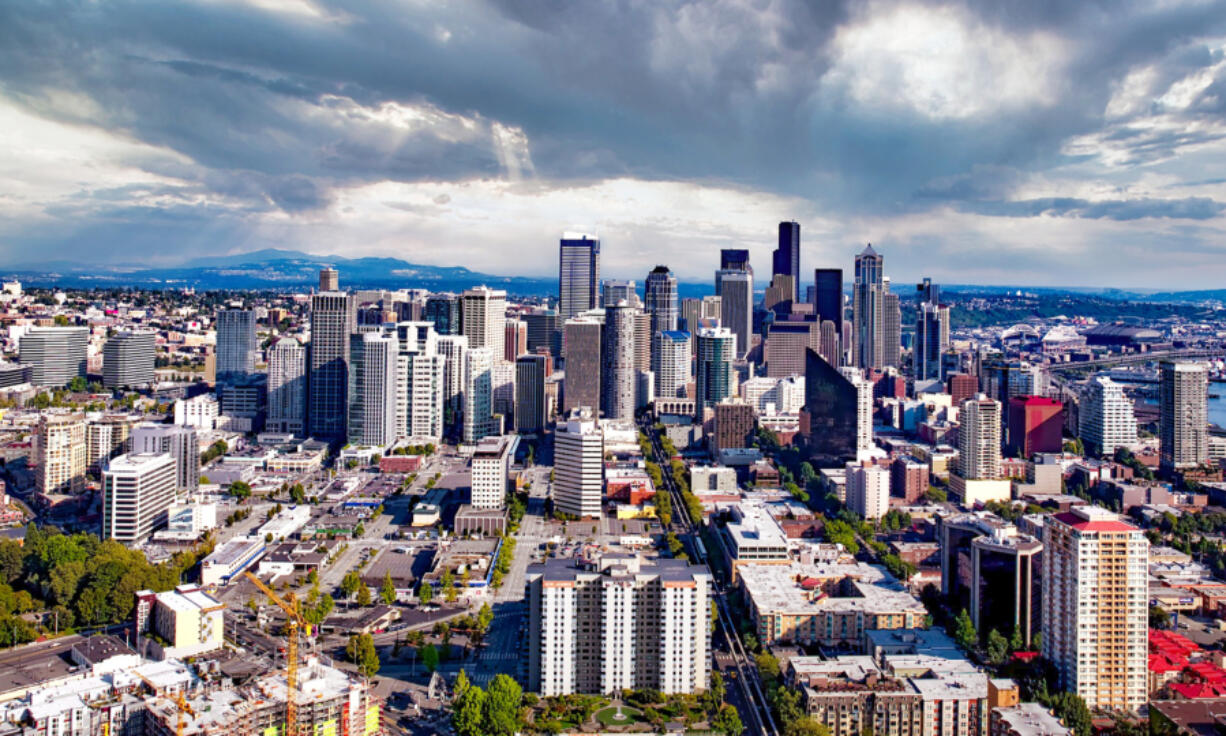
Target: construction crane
{"points": [[181, 702], [294, 621]]}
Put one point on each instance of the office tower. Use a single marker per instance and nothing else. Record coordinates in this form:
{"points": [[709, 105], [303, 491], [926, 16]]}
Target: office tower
{"points": [[734, 259], [137, 489], [111, 436], [672, 363], [60, 454], [491, 466], [544, 331], [1035, 424], [372, 389], [735, 422], [614, 291], [931, 332], [245, 400], [1005, 588], [867, 308], [644, 389], [960, 387], [530, 411], [443, 311], [695, 310], [714, 376], [786, 258], [618, 365], [830, 346], [1095, 607], [515, 340], [329, 279], [332, 321], [483, 315], [624, 623], [452, 349], [642, 341], [778, 297], [478, 394], [786, 344], [578, 464], [1183, 398], [502, 394], [236, 345], [128, 360], [421, 382], [660, 300], [868, 490], [735, 291], [56, 355], [578, 274], [180, 442], [583, 364], [891, 328], [1106, 419], [979, 439], [829, 420], [287, 394], [828, 294], [864, 408]]}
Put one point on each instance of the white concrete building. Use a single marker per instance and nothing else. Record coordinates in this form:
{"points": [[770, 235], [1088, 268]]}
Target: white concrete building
{"points": [[180, 442], [60, 453], [1183, 434], [372, 389], [478, 394], [864, 410], [491, 467], [979, 439], [671, 363], [200, 412], [137, 491], [578, 484], [1107, 421], [868, 490], [287, 390], [422, 382], [483, 317]]}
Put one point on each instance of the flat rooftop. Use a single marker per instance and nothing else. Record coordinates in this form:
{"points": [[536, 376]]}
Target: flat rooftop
{"points": [[796, 589]]}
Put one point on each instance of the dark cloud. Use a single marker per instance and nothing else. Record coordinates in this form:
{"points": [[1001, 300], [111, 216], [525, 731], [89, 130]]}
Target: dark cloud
{"points": [[1189, 208]]}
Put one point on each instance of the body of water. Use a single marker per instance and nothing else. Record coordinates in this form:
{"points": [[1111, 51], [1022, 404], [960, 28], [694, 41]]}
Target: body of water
{"points": [[1217, 407]]}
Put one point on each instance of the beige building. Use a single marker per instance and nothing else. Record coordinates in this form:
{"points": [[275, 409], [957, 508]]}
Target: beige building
{"points": [[108, 437], [60, 453], [183, 622]]}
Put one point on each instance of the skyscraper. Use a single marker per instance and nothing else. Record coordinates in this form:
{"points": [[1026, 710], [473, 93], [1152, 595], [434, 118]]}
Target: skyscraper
{"points": [[530, 411], [735, 290], [1183, 397], [867, 308], [931, 333], [332, 321], [583, 364], [714, 373], [287, 396], [421, 382], [478, 394], [660, 299], [618, 367], [372, 389], [734, 259], [56, 355], [868, 489], [180, 442], [672, 363], [891, 328], [137, 490], [829, 420], [1106, 418], [60, 456], [128, 359], [483, 316], [515, 340], [578, 274], [452, 349], [1095, 607], [579, 466], [617, 290], [329, 279], [236, 345], [544, 331], [979, 439], [1035, 424], [828, 294], [864, 408], [786, 260], [443, 310], [785, 346]]}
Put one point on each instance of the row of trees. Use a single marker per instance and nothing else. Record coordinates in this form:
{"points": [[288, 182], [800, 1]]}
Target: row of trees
{"points": [[491, 712]]}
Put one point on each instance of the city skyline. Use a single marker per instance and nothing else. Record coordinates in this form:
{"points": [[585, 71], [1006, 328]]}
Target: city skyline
{"points": [[1083, 139]]}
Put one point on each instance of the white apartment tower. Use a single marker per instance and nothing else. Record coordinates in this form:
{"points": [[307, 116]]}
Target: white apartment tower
{"points": [[453, 348], [236, 344], [421, 382], [137, 490], [287, 394], [864, 409], [1107, 421], [868, 489], [180, 442], [979, 439], [483, 317], [478, 394], [1183, 393], [1095, 606], [579, 467], [60, 453], [672, 358], [372, 389], [491, 465]]}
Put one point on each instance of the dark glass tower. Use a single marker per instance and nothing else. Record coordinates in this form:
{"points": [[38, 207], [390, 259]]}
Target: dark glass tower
{"points": [[578, 274], [787, 255], [828, 419], [828, 295]]}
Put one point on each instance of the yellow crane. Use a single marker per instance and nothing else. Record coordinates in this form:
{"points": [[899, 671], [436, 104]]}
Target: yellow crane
{"points": [[294, 621], [181, 702]]}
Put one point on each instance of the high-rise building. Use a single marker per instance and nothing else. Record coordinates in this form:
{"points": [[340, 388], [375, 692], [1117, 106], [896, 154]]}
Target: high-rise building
{"points": [[578, 274], [693, 311], [579, 466], [931, 333], [1096, 607], [1035, 424], [583, 364], [137, 490], [1005, 586], [735, 422], [786, 258], [778, 298], [333, 319], [615, 290], [478, 394], [111, 436], [452, 349], [618, 367], [483, 315], [867, 308], [786, 344], [180, 442], [515, 342], [329, 279], [544, 331], [1183, 397], [714, 379], [831, 345], [287, 394], [735, 291], [828, 295], [864, 408], [734, 259], [960, 387], [56, 355], [373, 359], [60, 454], [443, 310], [623, 623], [491, 467], [868, 489], [421, 382], [979, 439], [660, 300], [672, 363], [128, 360], [891, 328], [236, 345], [530, 409], [642, 341], [1107, 422], [829, 420]]}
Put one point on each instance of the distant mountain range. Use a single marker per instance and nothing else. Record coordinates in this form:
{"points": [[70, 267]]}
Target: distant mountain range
{"points": [[288, 269]]}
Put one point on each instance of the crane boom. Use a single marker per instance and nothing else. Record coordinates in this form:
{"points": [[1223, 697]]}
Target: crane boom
{"points": [[294, 620]]}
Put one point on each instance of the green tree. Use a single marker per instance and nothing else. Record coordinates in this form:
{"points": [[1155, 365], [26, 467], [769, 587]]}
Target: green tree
{"points": [[350, 583], [728, 721], [387, 591], [240, 490], [805, 727], [998, 647], [964, 631], [503, 699], [425, 593], [768, 666], [1158, 617], [447, 581], [78, 383], [364, 596], [1015, 642], [429, 657], [1072, 710], [485, 617], [297, 493], [468, 708]]}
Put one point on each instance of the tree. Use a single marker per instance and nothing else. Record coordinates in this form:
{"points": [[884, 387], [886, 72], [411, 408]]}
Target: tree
{"points": [[240, 490], [350, 583], [387, 591], [468, 708], [728, 721], [1072, 710], [429, 657], [424, 593], [805, 727], [998, 647], [1158, 617], [768, 666], [364, 596], [1015, 642], [964, 631], [297, 493], [78, 383], [502, 703], [447, 581], [485, 617]]}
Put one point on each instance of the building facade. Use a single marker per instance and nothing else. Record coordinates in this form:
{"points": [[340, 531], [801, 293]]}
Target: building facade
{"points": [[128, 360], [1183, 397], [578, 274], [137, 490], [579, 466]]}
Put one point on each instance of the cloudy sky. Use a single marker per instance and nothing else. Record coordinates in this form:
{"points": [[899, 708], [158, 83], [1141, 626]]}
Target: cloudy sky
{"points": [[1039, 142]]}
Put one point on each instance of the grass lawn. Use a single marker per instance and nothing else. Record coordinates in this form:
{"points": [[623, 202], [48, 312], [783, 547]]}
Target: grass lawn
{"points": [[608, 716]]}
